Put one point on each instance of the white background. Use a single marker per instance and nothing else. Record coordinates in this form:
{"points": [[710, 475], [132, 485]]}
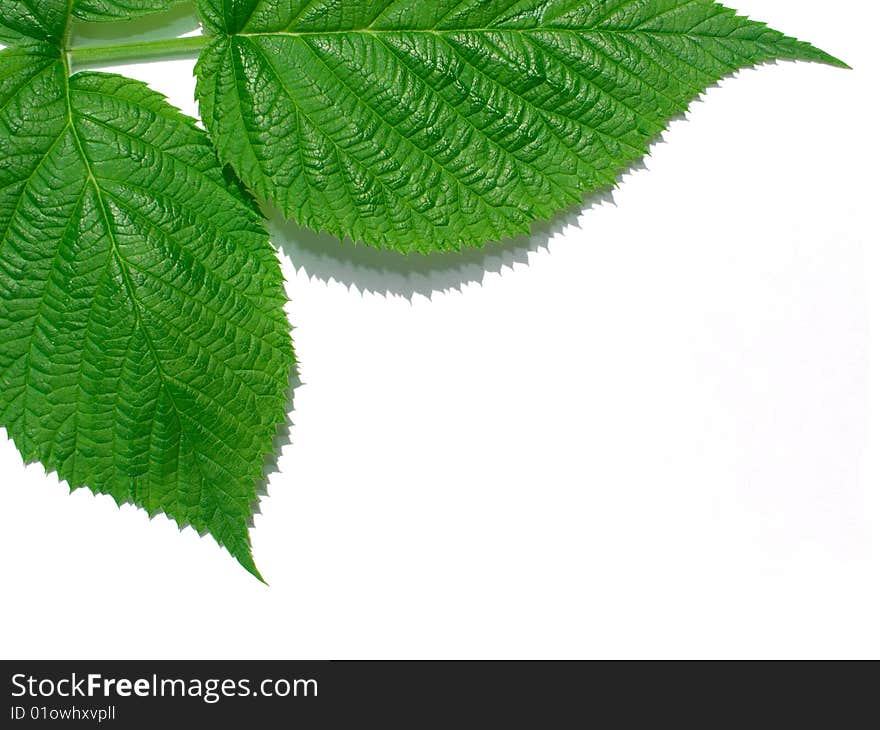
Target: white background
{"points": [[652, 432]]}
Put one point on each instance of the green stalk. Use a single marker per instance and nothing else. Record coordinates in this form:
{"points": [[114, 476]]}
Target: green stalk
{"points": [[144, 51]]}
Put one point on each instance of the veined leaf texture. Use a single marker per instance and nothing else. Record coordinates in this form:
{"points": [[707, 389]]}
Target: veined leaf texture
{"points": [[436, 125], [145, 352]]}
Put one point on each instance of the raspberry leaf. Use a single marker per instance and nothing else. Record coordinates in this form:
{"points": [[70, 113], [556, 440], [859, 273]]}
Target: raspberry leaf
{"points": [[145, 351], [105, 10], [422, 126], [47, 20]]}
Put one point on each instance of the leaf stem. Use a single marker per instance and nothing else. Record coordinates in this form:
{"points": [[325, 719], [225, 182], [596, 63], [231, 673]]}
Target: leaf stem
{"points": [[144, 51]]}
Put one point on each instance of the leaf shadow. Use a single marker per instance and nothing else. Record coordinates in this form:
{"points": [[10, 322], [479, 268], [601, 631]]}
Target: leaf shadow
{"points": [[324, 257]]}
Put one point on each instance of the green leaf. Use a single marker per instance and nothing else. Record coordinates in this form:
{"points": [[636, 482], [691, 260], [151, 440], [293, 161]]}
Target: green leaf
{"points": [[145, 352], [47, 20], [435, 125], [40, 20], [103, 10]]}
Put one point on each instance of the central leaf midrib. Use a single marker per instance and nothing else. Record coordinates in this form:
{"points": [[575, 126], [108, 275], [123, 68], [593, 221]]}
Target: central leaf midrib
{"points": [[480, 31], [126, 276]]}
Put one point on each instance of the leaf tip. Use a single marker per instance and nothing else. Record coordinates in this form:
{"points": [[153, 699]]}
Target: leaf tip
{"points": [[829, 60], [246, 560]]}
